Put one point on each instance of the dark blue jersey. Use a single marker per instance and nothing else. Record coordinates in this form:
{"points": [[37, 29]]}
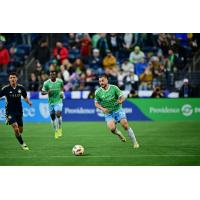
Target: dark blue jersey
{"points": [[13, 98]]}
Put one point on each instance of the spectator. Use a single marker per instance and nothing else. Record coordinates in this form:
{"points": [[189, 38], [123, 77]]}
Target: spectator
{"points": [[186, 90], [127, 67], [163, 43], [89, 79], [38, 70], [64, 73], [85, 48], [110, 62], [26, 39], [102, 44], [120, 79], [43, 78], [128, 41], [136, 56], [72, 43], [79, 66], [157, 93], [133, 93], [95, 39], [171, 67], [114, 43], [4, 58], [96, 62], [33, 83], [2, 38], [42, 53], [140, 67], [60, 52], [131, 81], [146, 79], [158, 71]]}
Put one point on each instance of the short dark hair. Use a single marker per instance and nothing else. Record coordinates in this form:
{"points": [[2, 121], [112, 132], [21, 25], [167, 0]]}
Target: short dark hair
{"points": [[12, 74], [103, 76]]}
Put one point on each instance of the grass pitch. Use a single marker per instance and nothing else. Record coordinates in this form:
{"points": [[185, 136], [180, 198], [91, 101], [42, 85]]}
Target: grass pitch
{"points": [[161, 143]]}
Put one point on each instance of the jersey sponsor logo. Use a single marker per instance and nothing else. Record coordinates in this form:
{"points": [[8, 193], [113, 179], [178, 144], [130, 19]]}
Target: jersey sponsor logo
{"points": [[187, 110], [19, 91], [10, 92], [44, 109]]}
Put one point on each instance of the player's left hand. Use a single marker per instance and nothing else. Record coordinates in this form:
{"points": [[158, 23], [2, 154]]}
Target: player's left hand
{"points": [[62, 95], [119, 101]]}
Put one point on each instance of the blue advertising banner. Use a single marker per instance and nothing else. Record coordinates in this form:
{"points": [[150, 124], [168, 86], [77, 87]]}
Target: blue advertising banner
{"points": [[73, 110], [39, 112], [84, 110]]}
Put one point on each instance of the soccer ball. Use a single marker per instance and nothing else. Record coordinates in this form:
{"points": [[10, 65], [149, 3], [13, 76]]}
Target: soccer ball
{"points": [[78, 150]]}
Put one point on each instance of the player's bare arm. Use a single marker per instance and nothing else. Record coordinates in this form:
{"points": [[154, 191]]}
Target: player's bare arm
{"points": [[27, 100], [44, 92], [62, 93], [101, 108], [121, 100]]}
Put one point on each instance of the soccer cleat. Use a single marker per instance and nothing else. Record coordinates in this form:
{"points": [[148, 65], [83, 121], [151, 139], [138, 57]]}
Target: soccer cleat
{"points": [[59, 132], [24, 147], [122, 138], [56, 134], [136, 145]]}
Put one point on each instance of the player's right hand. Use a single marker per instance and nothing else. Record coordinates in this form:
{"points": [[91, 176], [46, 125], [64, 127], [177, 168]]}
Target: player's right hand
{"points": [[105, 110]]}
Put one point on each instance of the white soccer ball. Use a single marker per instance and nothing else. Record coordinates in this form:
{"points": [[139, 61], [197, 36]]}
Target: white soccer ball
{"points": [[78, 150]]}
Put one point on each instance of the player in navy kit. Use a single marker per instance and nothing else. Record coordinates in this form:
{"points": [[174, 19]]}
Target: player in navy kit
{"points": [[14, 112]]}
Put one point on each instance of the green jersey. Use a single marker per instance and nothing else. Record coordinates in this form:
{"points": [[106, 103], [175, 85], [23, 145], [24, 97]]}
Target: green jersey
{"points": [[54, 90], [108, 98]]}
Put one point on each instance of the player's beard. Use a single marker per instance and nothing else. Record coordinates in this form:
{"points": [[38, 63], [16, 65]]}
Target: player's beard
{"points": [[104, 86]]}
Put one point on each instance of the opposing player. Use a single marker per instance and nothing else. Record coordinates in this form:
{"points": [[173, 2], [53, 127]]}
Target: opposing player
{"points": [[14, 113], [109, 99], [54, 88]]}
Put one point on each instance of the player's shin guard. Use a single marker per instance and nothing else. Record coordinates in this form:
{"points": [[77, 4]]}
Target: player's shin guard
{"points": [[19, 138], [54, 124], [59, 122], [131, 135]]}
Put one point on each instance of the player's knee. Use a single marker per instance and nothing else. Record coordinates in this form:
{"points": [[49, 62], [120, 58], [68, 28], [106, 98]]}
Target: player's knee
{"points": [[53, 117], [113, 129], [16, 129], [125, 126], [58, 114]]}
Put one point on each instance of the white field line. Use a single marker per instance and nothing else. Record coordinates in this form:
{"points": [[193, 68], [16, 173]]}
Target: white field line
{"points": [[90, 156]]}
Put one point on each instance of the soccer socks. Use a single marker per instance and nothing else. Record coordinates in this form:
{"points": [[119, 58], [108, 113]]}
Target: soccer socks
{"points": [[19, 138], [131, 135], [59, 122], [117, 132], [54, 124]]}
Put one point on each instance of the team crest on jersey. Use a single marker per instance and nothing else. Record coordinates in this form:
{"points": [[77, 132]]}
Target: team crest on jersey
{"points": [[19, 91], [9, 117]]}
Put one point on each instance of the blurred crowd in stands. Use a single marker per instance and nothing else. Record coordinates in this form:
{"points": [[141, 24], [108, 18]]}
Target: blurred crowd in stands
{"points": [[133, 61]]}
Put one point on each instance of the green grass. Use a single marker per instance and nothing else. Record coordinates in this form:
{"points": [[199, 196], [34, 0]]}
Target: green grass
{"points": [[162, 143]]}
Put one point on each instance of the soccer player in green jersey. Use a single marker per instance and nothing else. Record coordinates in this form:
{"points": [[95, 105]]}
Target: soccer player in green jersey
{"points": [[54, 88], [109, 99]]}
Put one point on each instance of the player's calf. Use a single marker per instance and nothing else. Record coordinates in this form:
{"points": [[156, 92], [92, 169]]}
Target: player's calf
{"points": [[20, 129], [18, 136], [130, 132], [16, 129]]}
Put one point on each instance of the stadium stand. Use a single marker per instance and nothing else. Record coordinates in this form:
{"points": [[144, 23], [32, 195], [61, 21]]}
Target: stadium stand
{"points": [[140, 63]]}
